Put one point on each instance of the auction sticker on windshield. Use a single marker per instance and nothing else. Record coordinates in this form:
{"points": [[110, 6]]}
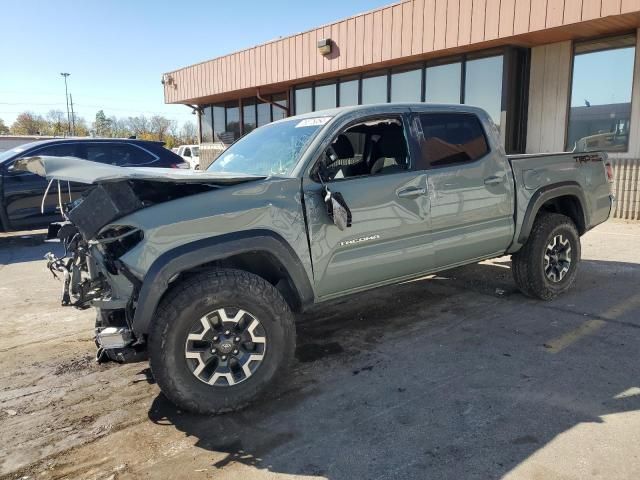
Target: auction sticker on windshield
{"points": [[313, 122]]}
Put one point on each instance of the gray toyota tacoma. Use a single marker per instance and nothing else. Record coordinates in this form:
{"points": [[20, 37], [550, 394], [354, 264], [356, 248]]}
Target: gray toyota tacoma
{"points": [[202, 271]]}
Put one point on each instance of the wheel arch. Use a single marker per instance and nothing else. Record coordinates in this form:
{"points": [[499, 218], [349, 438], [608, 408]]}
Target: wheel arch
{"points": [[262, 252], [566, 198]]}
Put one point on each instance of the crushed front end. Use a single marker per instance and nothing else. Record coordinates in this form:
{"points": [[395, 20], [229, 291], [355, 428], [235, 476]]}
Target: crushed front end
{"points": [[91, 272]]}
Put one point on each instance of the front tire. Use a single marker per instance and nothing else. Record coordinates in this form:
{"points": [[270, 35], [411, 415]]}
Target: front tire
{"points": [[547, 265], [219, 340]]}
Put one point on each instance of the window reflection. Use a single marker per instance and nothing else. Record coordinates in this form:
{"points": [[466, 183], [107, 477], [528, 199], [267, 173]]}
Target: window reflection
{"points": [[348, 93], [600, 114], [405, 86], [233, 120], [442, 83], [280, 99], [264, 114], [374, 90], [303, 100], [206, 125], [483, 85], [248, 116], [219, 125], [325, 97]]}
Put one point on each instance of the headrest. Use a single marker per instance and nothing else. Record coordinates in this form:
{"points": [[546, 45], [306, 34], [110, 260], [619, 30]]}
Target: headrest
{"points": [[392, 144], [343, 148]]}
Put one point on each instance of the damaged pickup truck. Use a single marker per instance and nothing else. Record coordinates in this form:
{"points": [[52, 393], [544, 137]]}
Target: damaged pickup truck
{"points": [[203, 270]]}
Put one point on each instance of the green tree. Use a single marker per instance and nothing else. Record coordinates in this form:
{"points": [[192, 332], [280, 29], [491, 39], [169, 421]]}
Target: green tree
{"points": [[3, 128], [103, 126], [57, 123]]}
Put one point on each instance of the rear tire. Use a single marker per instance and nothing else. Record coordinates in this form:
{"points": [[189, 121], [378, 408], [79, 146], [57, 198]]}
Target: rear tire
{"points": [[547, 265], [232, 315]]}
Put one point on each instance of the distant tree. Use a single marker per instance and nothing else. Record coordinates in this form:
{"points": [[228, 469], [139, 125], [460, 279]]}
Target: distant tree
{"points": [[57, 123], [28, 123], [189, 133], [160, 126], [119, 127], [139, 126], [82, 129], [3, 128], [102, 126]]}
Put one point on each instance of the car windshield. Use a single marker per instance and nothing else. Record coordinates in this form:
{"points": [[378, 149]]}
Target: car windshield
{"points": [[270, 150]]}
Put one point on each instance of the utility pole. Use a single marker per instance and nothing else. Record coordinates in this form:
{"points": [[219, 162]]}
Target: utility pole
{"points": [[73, 117], [66, 96]]}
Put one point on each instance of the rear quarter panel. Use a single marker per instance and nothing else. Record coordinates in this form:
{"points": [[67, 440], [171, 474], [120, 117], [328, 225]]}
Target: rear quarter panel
{"points": [[533, 173]]}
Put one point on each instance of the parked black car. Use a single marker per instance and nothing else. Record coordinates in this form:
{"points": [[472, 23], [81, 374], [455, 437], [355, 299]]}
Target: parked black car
{"points": [[21, 193]]}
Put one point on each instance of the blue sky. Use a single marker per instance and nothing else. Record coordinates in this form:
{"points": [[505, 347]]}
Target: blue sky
{"points": [[116, 50]]}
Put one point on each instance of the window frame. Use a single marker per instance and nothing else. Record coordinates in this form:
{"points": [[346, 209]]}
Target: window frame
{"points": [[419, 136], [311, 172], [574, 44]]}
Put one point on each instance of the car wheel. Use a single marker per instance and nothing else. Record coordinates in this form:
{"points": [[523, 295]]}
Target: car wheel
{"points": [[220, 339], [547, 265]]}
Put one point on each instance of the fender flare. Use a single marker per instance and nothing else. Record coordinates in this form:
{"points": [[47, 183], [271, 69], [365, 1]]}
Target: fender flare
{"points": [[171, 263], [543, 195]]}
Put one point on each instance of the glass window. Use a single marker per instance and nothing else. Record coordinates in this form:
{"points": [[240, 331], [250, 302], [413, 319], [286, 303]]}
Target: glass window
{"points": [[303, 101], [442, 83], [117, 154], [271, 150], [248, 116], [483, 85], [325, 97], [348, 93], [371, 148], [233, 120], [219, 125], [600, 114], [206, 125], [264, 113], [405, 86], [280, 99], [450, 138], [374, 90], [64, 150]]}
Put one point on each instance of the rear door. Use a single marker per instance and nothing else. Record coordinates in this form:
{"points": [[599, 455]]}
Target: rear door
{"points": [[471, 187], [388, 239], [24, 191]]}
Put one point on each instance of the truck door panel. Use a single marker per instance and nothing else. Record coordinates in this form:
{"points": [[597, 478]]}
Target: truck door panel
{"points": [[389, 236], [471, 189]]}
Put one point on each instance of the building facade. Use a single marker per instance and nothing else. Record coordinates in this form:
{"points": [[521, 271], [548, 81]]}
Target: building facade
{"points": [[553, 74]]}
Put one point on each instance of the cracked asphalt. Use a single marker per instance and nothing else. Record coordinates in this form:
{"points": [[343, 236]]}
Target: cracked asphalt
{"points": [[453, 376]]}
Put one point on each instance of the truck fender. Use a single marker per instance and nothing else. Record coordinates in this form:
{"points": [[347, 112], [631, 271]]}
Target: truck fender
{"points": [[545, 194], [185, 257]]}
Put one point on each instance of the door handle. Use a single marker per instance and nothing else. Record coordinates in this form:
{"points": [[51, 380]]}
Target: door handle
{"points": [[412, 192], [494, 180]]}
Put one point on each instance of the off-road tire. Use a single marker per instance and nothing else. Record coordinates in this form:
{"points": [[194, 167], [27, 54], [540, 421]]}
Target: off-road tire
{"points": [[528, 263], [192, 299]]}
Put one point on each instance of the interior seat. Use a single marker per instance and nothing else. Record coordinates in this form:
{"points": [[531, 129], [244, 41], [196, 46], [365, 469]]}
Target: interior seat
{"points": [[389, 152]]}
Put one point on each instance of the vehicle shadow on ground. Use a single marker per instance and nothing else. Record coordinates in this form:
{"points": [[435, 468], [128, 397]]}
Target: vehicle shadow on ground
{"points": [[449, 377], [26, 247]]}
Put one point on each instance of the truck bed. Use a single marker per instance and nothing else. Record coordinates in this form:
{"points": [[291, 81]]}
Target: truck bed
{"points": [[580, 174]]}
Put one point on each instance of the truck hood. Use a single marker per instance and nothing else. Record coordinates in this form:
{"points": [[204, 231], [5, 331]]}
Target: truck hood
{"points": [[84, 171]]}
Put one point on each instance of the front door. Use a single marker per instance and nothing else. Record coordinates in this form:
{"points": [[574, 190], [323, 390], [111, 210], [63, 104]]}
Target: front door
{"points": [[369, 165]]}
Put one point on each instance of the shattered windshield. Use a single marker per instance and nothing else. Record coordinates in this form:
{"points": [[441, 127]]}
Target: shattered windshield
{"points": [[270, 150]]}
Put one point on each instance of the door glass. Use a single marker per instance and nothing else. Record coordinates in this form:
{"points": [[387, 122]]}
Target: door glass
{"points": [[264, 114], [248, 116], [233, 120], [371, 148], [206, 124], [450, 138], [219, 125]]}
